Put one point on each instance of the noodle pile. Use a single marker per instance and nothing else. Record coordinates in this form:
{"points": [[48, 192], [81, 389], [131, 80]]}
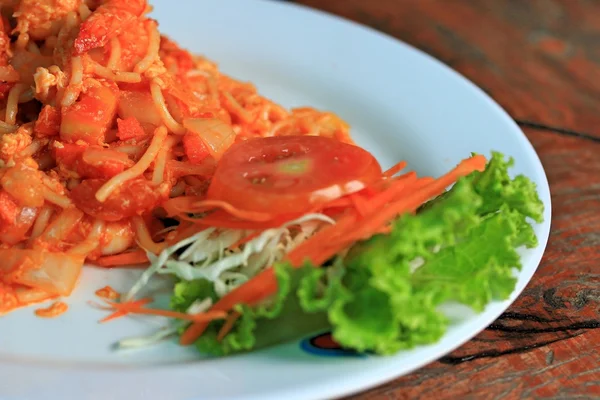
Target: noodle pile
{"points": [[103, 119]]}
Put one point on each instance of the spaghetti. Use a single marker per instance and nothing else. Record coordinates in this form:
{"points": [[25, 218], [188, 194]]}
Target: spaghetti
{"points": [[96, 109]]}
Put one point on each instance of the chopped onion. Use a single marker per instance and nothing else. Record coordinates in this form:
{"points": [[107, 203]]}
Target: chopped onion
{"points": [[216, 134], [136, 104], [52, 272], [97, 156], [24, 184]]}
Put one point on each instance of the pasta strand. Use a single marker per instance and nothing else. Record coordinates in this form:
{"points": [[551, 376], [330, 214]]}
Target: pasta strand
{"points": [[160, 134]]}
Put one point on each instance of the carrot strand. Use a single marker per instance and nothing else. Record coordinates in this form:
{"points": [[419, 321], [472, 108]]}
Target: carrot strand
{"points": [[395, 169], [421, 191], [121, 312], [411, 202], [359, 205], [136, 307], [228, 325], [202, 317], [259, 287], [130, 258]]}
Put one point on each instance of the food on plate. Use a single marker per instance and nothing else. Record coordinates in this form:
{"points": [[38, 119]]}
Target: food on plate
{"points": [[120, 149], [102, 120]]}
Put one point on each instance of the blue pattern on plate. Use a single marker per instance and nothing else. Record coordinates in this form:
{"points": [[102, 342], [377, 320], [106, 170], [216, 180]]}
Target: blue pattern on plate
{"points": [[323, 344]]}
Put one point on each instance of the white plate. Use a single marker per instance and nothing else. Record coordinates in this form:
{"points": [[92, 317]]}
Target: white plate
{"points": [[401, 103]]}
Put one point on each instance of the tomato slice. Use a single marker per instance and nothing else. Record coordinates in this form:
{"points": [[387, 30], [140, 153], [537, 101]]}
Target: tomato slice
{"points": [[289, 174]]}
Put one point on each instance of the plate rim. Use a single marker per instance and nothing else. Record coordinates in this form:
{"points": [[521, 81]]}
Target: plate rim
{"points": [[386, 371]]}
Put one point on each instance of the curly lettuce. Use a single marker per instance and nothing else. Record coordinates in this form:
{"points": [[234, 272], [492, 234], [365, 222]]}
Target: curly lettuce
{"points": [[385, 294]]}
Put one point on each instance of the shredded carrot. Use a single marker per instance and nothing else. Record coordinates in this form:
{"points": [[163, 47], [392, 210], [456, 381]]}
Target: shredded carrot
{"points": [[228, 325], [322, 237], [359, 232], [335, 238], [261, 286], [385, 230], [201, 317], [53, 311], [420, 192], [359, 204], [395, 188], [135, 307], [341, 202], [121, 312], [376, 188], [131, 258], [395, 169], [108, 293], [415, 199]]}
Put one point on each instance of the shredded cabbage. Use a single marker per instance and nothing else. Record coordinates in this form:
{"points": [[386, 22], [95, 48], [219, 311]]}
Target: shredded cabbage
{"points": [[208, 256], [150, 340], [198, 306], [157, 262]]}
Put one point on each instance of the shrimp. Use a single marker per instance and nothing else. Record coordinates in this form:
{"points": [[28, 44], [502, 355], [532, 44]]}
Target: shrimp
{"points": [[117, 237], [43, 18], [24, 184], [106, 22]]}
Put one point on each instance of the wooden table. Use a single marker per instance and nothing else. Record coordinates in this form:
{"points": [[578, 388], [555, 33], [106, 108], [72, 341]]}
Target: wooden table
{"points": [[540, 59]]}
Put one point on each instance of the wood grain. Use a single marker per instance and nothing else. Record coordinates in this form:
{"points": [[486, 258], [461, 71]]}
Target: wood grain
{"points": [[540, 60]]}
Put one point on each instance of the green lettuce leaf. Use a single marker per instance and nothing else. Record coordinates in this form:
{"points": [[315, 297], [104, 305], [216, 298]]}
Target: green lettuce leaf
{"points": [[185, 293], [385, 295], [281, 319]]}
